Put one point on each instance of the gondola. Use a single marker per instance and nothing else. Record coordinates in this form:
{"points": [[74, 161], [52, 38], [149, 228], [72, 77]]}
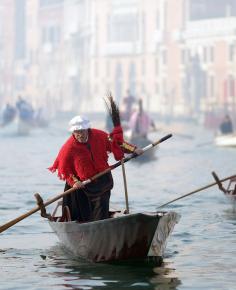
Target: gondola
{"points": [[226, 140], [122, 237], [141, 142]]}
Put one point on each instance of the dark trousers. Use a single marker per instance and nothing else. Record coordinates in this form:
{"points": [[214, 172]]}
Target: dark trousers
{"points": [[89, 204]]}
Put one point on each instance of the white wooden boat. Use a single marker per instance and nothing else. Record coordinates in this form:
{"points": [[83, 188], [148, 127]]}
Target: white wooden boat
{"points": [[125, 237], [226, 140]]}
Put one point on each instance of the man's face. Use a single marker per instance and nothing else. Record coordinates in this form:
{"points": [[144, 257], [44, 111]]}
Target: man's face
{"points": [[81, 135]]}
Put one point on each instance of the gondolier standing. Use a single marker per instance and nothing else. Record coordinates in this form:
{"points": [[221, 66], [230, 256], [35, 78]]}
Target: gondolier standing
{"points": [[83, 155]]}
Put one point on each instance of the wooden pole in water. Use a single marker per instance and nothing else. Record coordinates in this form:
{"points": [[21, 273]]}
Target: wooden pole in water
{"points": [[125, 186]]}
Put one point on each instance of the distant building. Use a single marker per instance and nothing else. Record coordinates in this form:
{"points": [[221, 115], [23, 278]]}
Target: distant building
{"points": [[179, 56]]}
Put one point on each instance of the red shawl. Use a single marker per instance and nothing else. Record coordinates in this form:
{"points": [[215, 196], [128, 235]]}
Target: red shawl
{"points": [[75, 159]]}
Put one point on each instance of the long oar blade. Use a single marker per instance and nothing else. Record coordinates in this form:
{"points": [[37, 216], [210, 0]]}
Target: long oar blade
{"points": [[34, 210], [197, 190]]}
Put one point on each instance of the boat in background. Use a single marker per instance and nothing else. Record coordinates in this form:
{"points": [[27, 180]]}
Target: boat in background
{"points": [[226, 140], [141, 142], [7, 115], [230, 190], [122, 237], [22, 119]]}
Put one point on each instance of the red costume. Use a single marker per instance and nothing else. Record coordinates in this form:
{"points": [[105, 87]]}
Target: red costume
{"points": [[84, 160]]}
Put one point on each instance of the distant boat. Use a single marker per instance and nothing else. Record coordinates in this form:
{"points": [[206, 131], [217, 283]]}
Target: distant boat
{"points": [[137, 236], [226, 140], [22, 122], [141, 142]]}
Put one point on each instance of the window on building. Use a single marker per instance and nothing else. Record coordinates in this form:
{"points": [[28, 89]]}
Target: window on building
{"points": [[212, 86], [205, 9], [51, 34], [164, 57], [231, 86], [231, 52], [108, 68], [157, 88], [96, 69], [156, 66], [96, 89], [123, 27], [43, 3], [183, 56], [143, 67], [157, 20], [118, 82], [204, 57], [143, 89], [164, 89], [20, 29], [211, 54], [132, 78], [20, 82]]}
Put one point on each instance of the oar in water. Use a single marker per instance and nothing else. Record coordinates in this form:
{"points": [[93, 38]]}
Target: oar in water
{"points": [[197, 190], [34, 210]]}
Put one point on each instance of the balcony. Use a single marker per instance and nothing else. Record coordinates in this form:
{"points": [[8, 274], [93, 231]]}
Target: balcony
{"points": [[220, 27], [123, 48]]}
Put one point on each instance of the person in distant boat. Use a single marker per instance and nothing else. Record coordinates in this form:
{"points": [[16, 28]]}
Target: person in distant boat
{"points": [[8, 114], [26, 111], [140, 122], [128, 101], [84, 155], [226, 127]]}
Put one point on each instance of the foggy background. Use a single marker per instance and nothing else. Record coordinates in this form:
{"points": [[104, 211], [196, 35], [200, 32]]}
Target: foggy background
{"points": [[65, 55], [61, 58]]}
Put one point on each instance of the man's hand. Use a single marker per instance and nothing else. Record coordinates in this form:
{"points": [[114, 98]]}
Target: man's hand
{"points": [[78, 185], [138, 151]]}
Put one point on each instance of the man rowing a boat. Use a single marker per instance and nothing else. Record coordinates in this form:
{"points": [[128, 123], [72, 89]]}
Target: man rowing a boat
{"points": [[84, 155], [140, 122]]}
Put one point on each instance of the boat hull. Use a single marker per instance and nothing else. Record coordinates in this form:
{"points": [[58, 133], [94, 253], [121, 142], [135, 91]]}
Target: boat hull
{"points": [[127, 237], [142, 142], [228, 140]]}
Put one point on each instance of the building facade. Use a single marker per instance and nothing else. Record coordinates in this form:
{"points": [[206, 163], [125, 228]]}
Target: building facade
{"points": [[178, 56]]}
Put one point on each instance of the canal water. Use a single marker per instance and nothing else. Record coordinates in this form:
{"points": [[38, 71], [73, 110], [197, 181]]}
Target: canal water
{"points": [[200, 253]]}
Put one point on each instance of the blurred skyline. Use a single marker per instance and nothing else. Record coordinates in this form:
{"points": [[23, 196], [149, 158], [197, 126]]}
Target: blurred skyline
{"points": [[65, 55]]}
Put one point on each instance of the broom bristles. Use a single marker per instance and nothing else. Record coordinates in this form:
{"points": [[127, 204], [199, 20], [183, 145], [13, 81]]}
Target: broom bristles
{"points": [[113, 110]]}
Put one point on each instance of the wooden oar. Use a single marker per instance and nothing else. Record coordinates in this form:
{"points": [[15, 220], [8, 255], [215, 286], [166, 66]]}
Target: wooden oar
{"points": [[34, 210], [197, 190]]}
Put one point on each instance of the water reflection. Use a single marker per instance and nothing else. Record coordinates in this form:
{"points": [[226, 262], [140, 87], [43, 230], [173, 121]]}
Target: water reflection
{"points": [[79, 274], [230, 214]]}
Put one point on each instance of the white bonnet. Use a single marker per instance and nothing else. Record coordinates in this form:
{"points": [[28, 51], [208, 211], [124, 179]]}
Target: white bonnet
{"points": [[79, 123]]}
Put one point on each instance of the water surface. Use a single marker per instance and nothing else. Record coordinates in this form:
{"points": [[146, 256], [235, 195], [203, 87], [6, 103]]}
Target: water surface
{"points": [[200, 253]]}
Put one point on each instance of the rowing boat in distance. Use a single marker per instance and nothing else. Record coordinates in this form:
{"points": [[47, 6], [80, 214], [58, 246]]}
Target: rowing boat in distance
{"points": [[136, 236], [141, 141], [226, 140]]}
